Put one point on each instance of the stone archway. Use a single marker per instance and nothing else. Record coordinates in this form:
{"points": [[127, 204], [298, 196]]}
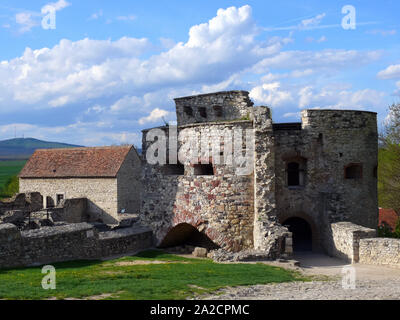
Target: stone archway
{"points": [[301, 233], [302, 223], [186, 234]]}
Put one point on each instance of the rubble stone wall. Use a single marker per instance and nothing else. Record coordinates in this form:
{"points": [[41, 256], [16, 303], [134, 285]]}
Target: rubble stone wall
{"points": [[226, 105], [101, 193], [380, 251], [129, 183], [324, 144], [219, 205], [346, 239], [68, 242]]}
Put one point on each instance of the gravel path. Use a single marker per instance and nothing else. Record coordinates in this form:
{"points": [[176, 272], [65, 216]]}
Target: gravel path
{"points": [[316, 290], [372, 283]]}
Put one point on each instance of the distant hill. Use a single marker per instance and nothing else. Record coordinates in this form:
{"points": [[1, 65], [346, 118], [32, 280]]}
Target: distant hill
{"points": [[22, 148]]}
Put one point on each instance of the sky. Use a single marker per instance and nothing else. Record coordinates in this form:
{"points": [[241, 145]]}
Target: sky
{"points": [[97, 72]]}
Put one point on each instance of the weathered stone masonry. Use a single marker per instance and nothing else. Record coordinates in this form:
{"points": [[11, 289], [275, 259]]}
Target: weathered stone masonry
{"points": [[333, 153], [67, 242]]}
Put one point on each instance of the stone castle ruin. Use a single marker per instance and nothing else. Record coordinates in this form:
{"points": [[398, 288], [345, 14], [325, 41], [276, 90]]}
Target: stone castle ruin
{"points": [[225, 177], [304, 177]]}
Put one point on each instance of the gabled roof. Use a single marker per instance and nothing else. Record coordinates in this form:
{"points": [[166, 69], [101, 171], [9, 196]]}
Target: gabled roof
{"points": [[101, 162]]}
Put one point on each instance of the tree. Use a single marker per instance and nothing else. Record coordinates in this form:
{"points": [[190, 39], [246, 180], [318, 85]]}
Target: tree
{"points": [[391, 127], [389, 161]]}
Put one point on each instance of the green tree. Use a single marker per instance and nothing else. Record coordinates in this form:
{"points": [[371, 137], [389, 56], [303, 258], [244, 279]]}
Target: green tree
{"points": [[389, 161], [391, 128]]}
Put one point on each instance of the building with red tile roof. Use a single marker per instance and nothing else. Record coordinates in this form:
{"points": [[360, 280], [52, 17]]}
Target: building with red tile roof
{"points": [[109, 177]]}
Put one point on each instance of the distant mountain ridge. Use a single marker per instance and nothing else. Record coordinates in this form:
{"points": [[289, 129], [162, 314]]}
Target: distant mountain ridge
{"points": [[22, 148]]}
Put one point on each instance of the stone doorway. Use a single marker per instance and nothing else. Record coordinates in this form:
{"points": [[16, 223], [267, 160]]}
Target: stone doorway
{"points": [[186, 234], [302, 234]]}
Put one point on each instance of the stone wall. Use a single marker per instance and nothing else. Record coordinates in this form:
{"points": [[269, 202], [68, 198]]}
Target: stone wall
{"points": [[219, 205], [129, 183], [380, 251], [324, 144], [126, 240], [71, 211], [346, 239], [28, 202], [226, 105], [268, 234], [342, 138], [101, 193], [66, 243]]}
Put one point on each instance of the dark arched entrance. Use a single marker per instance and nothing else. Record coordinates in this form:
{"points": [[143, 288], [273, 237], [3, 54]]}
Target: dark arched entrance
{"points": [[186, 234], [302, 234]]}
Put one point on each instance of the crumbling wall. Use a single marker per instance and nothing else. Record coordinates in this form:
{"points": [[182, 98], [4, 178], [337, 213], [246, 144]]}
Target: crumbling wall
{"points": [[129, 183], [380, 251], [219, 106], [71, 211], [219, 205], [324, 144], [346, 237], [101, 192], [269, 235], [29, 201], [80, 241]]}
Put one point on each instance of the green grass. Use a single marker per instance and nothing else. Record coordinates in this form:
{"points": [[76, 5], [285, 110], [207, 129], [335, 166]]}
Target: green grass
{"points": [[8, 170], [178, 279]]}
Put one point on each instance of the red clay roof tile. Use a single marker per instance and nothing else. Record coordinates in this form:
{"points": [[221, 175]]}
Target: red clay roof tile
{"points": [[75, 162]]}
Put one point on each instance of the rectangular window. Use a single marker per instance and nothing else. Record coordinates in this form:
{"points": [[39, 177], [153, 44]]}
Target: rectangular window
{"points": [[203, 170], [60, 197]]}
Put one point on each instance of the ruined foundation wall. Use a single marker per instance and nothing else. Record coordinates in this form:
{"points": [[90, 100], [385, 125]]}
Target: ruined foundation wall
{"points": [[101, 193], [67, 243]]}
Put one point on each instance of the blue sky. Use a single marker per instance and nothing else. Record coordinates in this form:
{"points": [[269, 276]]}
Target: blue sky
{"points": [[111, 68]]}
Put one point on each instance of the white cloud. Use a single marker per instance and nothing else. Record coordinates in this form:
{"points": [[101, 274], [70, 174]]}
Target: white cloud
{"points": [[319, 40], [312, 22], [59, 5], [332, 59], [26, 21], [391, 72], [397, 91], [271, 95], [109, 84], [127, 104], [154, 116], [96, 15], [330, 97]]}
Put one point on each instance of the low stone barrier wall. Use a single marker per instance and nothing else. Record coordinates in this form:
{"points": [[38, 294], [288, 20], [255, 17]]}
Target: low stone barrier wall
{"points": [[125, 240], [380, 251], [346, 238], [68, 242]]}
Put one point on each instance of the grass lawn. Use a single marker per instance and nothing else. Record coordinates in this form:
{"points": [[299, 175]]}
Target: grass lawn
{"points": [[178, 279], [9, 169]]}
